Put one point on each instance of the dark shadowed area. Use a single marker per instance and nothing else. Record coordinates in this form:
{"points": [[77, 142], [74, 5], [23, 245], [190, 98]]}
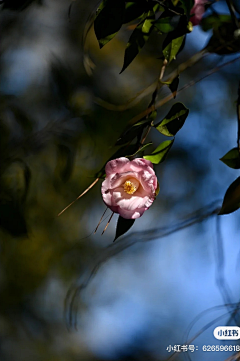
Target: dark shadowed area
{"points": [[67, 293]]}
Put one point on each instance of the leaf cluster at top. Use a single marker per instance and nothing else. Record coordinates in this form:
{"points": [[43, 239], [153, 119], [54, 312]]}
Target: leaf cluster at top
{"points": [[169, 18]]}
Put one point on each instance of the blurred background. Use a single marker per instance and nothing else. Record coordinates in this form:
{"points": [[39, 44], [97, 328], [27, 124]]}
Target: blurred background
{"points": [[150, 291]]}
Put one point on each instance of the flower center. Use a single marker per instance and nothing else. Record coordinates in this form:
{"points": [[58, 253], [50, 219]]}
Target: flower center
{"points": [[130, 186]]}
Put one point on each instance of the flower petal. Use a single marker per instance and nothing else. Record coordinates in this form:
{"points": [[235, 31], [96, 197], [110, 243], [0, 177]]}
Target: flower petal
{"points": [[148, 181], [140, 164], [130, 202], [129, 206], [131, 214], [198, 10], [116, 165], [118, 179]]}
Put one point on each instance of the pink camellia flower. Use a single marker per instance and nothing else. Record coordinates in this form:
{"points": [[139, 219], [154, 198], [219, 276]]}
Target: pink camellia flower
{"points": [[198, 10], [129, 187]]}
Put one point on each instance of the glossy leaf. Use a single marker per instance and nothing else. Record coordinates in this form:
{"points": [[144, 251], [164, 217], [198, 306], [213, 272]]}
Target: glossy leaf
{"points": [[173, 121], [231, 201], [131, 133], [173, 86], [171, 50], [187, 6], [123, 225], [110, 17], [167, 22], [232, 158], [133, 10], [160, 153], [137, 40]]}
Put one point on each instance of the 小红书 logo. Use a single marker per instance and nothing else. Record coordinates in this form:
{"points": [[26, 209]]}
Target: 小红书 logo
{"points": [[227, 333]]}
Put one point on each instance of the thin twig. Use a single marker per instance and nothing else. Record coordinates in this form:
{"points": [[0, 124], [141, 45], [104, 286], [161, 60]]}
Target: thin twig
{"points": [[146, 91], [108, 223], [100, 220], [154, 96], [170, 96], [86, 190], [152, 103], [169, 9]]}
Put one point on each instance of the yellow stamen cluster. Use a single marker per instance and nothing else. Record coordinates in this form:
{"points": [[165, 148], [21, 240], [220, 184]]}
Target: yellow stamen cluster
{"points": [[130, 186]]}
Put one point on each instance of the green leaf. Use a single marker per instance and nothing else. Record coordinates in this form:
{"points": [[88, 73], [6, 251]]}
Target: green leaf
{"points": [[160, 152], [232, 158], [173, 86], [123, 225], [223, 40], [139, 150], [173, 121], [131, 133], [167, 22], [110, 17], [214, 21], [133, 10], [175, 40], [187, 6], [231, 201], [171, 50], [137, 40]]}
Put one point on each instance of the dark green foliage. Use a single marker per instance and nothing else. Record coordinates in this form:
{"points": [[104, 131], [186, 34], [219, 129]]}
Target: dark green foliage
{"points": [[109, 20], [232, 158], [160, 153], [123, 225], [175, 40], [135, 130], [173, 86], [224, 40], [187, 6], [167, 22], [140, 150], [137, 40], [174, 120], [231, 201], [134, 9], [171, 50], [174, 21], [132, 132], [214, 20]]}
